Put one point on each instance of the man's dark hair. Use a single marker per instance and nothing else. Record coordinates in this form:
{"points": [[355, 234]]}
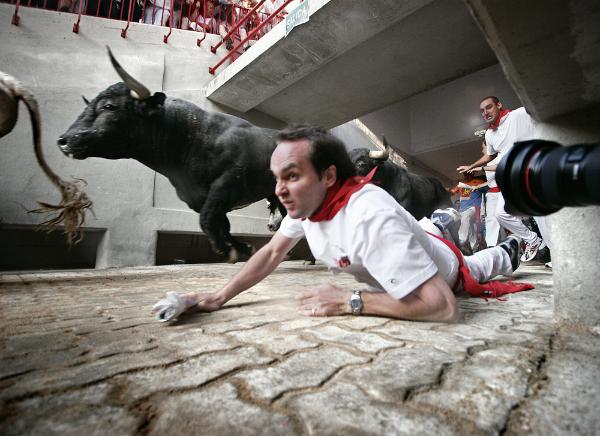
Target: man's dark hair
{"points": [[326, 149], [493, 97]]}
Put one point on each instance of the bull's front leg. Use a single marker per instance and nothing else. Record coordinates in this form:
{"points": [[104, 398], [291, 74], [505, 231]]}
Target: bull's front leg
{"points": [[214, 223]]}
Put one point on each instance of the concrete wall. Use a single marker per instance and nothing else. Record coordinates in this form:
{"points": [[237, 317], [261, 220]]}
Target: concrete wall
{"points": [[575, 231], [131, 202], [443, 116], [434, 129]]}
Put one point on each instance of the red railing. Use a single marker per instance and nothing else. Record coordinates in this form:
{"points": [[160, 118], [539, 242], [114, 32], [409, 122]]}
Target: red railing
{"points": [[232, 22], [243, 40], [186, 14]]}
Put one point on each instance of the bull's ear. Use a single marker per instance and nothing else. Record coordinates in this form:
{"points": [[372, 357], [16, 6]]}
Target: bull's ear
{"points": [[85, 100], [158, 99], [151, 105]]}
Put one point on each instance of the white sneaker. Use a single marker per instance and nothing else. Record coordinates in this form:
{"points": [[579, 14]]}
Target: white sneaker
{"points": [[548, 264], [532, 249]]}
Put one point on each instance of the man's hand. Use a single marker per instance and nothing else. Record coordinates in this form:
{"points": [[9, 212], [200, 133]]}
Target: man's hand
{"points": [[170, 306], [324, 300], [173, 304], [461, 169], [475, 170]]}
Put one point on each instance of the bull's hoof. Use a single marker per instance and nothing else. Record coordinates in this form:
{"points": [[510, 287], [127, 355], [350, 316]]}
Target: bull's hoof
{"points": [[233, 256]]}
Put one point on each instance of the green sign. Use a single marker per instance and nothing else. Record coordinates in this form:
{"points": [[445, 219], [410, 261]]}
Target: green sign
{"points": [[298, 16]]}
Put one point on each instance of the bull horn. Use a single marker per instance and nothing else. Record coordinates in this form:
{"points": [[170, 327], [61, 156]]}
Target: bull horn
{"points": [[138, 91], [380, 154]]}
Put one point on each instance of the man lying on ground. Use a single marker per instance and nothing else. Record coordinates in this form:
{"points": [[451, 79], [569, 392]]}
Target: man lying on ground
{"points": [[355, 227]]}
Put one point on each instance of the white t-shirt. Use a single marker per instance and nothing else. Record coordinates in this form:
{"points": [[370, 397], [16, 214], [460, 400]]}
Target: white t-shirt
{"points": [[516, 126], [378, 242]]}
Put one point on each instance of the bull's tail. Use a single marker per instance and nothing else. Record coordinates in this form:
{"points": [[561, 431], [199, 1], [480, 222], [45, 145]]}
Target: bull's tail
{"points": [[71, 209]]}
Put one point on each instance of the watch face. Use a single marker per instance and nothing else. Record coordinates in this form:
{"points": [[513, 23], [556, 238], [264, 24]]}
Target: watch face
{"points": [[356, 304]]}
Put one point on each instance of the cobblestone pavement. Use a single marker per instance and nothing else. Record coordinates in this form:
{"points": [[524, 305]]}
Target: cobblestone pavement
{"points": [[81, 354]]}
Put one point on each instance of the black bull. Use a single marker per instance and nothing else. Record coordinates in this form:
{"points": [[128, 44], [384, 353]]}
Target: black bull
{"points": [[216, 162], [419, 195]]}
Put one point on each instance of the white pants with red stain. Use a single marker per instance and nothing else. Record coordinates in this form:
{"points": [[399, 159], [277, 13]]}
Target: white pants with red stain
{"points": [[512, 223], [483, 265]]}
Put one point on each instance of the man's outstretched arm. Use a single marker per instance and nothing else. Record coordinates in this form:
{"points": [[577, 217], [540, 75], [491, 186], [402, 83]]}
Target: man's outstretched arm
{"points": [[482, 161], [432, 301], [257, 268]]}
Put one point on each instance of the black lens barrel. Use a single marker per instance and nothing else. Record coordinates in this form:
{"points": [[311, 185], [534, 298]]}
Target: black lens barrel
{"points": [[539, 177]]}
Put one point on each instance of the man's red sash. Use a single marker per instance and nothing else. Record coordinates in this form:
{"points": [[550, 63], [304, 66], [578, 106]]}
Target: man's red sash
{"points": [[493, 288], [495, 124], [338, 196]]}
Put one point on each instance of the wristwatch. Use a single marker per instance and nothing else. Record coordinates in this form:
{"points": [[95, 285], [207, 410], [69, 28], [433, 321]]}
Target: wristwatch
{"points": [[356, 304]]}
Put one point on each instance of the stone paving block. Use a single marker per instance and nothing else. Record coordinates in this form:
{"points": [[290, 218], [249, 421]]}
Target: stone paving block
{"points": [[190, 373], [303, 323], [102, 344], [484, 388], [242, 323], [393, 373], [483, 333], [302, 370], [57, 379], [186, 343], [424, 334], [345, 409], [361, 322], [365, 342], [38, 360], [48, 341], [87, 411], [217, 411], [269, 338]]}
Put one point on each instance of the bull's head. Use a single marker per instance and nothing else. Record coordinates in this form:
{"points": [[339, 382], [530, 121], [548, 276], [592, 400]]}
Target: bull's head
{"points": [[110, 124], [365, 160]]}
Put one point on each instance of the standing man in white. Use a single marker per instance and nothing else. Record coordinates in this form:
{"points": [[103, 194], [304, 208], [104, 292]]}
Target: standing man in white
{"points": [[504, 129]]}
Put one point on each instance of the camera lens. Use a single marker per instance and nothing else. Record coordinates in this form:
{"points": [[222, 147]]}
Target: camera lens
{"points": [[539, 177]]}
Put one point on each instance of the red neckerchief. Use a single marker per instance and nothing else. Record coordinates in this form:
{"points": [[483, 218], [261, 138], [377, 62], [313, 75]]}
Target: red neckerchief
{"points": [[494, 125], [338, 196], [493, 288]]}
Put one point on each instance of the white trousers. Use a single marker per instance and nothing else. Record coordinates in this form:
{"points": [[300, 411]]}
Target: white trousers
{"points": [[492, 226], [488, 263], [483, 265], [512, 223], [467, 233], [544, 230]]}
